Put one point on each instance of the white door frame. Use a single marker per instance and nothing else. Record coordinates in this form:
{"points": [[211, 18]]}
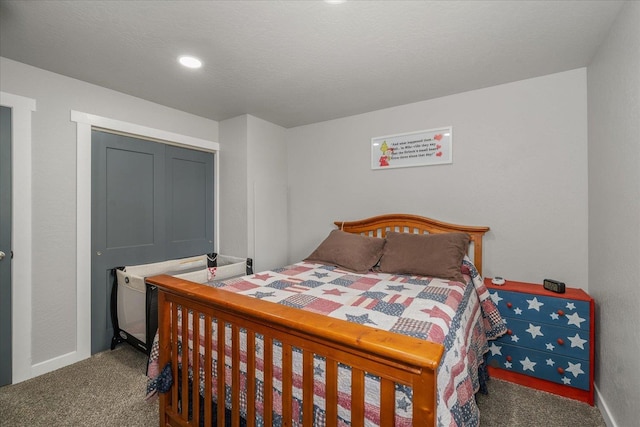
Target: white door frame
{"points": [[21, 110], [85, 122]]}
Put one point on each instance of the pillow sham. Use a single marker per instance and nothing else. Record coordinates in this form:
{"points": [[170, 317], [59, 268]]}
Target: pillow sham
{"points": [[352, 252], [434, 255]]}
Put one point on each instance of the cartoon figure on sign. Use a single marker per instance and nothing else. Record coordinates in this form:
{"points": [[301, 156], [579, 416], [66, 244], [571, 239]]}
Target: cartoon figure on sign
{"points": [[387, 153]]}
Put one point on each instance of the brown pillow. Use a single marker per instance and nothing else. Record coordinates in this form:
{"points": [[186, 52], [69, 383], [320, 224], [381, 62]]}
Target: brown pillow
{"points": [[433, 255], [352, 252]]}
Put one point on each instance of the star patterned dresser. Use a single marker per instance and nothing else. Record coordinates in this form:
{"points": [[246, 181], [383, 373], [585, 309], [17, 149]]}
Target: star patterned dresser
{"points": [[549, 344]]}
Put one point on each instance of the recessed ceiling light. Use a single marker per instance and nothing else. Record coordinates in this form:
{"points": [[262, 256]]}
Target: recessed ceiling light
{"points": [[335, 1], [190, 61]]}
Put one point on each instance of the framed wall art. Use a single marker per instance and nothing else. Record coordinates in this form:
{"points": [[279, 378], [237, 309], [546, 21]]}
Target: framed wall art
{"points": [[421, 148]]}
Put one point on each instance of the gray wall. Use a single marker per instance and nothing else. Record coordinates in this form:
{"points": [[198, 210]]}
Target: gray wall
{"points": [[614, 214], [234, 237], [54, 186], [519, 167], [267, 178], [253, 187]]}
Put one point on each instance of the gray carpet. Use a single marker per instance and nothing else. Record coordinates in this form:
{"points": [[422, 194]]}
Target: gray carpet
{"points": [[512, 405], [105, 390], [108, 390]]}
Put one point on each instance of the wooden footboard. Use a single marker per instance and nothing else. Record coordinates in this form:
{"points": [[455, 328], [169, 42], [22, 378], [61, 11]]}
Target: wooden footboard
{"points": [[392, 357]]}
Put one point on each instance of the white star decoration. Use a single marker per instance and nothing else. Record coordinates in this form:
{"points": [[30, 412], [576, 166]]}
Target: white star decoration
{"points": [[577, 341], [566, 380], [534, 331], [515, 338], [575, 369], [550, 362], [574, 319], [534, 304], [527, 364], [571, 306], [508, 365], [554, 316], [495, 349], [517, 310], [550, 346], [496, 298]]}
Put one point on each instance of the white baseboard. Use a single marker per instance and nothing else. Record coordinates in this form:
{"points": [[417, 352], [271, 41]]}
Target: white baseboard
{"points": [[604, 408], [57, 363]]}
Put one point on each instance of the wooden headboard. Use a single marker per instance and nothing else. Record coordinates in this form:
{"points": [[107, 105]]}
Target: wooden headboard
{"points": [[378, 226]]}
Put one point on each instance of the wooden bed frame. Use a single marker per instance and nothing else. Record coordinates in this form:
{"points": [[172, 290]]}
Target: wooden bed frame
{"points": [[393, 357]]}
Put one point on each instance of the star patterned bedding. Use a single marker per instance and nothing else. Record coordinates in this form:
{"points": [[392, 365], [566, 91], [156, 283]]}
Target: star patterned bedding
{"points": [[461, 316]]}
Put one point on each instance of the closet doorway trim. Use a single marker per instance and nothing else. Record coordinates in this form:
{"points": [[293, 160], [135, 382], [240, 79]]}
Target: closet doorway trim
{"points": [[85, 123], [21, 112]]}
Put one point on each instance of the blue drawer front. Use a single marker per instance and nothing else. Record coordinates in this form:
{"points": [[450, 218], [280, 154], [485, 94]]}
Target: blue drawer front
{"points": [[555, 311], [540, 365], [547, 338]]}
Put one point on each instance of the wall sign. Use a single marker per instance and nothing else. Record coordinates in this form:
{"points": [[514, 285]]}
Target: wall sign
{"points": [[422, 148]]}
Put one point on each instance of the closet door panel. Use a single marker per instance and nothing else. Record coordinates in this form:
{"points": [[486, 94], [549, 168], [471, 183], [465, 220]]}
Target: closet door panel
{"points": [[189, 198], [127, 217]]}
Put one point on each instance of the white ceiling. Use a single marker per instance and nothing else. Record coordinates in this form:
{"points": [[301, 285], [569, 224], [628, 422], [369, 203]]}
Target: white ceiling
{"points": [[300, 62]]}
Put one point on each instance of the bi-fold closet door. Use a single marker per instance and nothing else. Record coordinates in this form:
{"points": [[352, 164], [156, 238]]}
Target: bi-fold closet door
{"points": [[149, 202]]}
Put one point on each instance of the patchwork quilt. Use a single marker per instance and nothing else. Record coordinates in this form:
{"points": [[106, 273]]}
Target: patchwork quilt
{"points": [[461, 316]]}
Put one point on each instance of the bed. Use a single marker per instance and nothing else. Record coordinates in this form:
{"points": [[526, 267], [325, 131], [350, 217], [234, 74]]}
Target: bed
{"points": [[332, 340]]}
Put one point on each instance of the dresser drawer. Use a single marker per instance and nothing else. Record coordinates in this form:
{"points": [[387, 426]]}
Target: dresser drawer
{"points": [[551, 367], [547, 338], [550, 339], [558, 311]]}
